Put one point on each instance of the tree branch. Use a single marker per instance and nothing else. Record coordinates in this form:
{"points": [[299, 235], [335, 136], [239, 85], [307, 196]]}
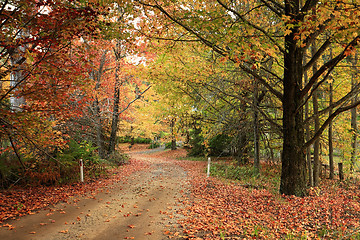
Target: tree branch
{"points": [[309, 4], [327, 122], [329, 65], [135, 99], [317, 55], [219, 50], [251, 24]]}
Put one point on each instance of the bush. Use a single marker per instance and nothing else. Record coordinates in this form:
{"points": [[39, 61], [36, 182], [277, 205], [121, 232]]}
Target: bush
{"points": [[69, 161], [197, 144], [219, 144], [138, 140], [168, 145]]}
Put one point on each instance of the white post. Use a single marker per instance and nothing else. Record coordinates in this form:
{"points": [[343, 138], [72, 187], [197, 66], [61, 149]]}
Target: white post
{"points": [[81, 171], [208, 167]]}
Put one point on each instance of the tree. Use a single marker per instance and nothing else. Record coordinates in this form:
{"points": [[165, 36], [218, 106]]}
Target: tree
{"points": [[35, 51], [249, 34]]}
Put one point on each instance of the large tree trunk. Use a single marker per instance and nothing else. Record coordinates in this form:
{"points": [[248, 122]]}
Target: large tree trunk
{"points": [[293, 171], [115, 115]]}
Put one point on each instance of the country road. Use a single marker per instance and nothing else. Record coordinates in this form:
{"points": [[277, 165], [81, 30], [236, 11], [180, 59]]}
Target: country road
{"points": [[143, 207]]}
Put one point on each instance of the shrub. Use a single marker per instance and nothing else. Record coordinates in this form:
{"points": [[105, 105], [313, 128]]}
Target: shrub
{"points": [[196, 143], [219, 144], [139, 140], [69, 161], [168, 145]]}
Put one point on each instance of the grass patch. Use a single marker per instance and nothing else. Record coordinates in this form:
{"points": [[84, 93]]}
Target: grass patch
{"points": [[269, 177], [193, 158]]}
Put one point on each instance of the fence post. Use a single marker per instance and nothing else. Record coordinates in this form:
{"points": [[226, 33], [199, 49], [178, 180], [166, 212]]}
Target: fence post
{"points": [[81, 170], [208, 167]]}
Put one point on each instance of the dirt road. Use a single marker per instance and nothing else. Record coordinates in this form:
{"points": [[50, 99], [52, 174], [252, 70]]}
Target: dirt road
{"points": [[143, 207]]}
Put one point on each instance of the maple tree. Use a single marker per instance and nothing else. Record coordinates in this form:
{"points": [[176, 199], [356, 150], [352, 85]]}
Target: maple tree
{"points": [[253, 33], [42, 80]]}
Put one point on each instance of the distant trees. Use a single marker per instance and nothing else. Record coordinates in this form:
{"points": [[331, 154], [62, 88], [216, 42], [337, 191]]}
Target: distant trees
{"points": [[253, 33]]}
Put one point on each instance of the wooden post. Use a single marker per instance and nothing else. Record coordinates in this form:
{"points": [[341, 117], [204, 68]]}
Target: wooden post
{"points": [[341, 173], [81, 170], [208, 167]]}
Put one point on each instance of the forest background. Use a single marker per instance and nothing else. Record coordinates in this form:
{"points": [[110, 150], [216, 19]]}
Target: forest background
{"points": [[256, 80]]}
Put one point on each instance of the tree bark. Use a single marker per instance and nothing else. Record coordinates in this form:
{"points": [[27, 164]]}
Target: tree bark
{"points": [[115, 114], [307, 136], [96, 75], [172, 130], [353, 115], [330, 136], [316, 170], [256, 130], [293, 171]]}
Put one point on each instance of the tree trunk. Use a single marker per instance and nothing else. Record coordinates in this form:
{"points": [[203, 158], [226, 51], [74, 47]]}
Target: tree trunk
{"points": [[353, 115], [96, 75], [330, 136], [256, 130], [293, 171], [115, 114], [99, 130], [172, 130], [331, 148], [317, 163], [307, 136]]}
